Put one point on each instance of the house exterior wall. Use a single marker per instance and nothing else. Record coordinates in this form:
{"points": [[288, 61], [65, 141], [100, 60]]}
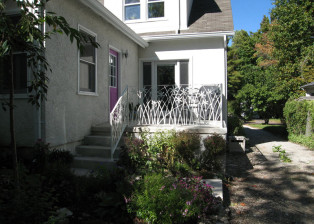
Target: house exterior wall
{"points": [[206, 60], [176, 16], [69, 115]]}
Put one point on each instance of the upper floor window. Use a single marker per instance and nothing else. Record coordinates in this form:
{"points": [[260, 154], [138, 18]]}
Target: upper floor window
{"points": [[87, 67], [156, 9], [132, 9]]}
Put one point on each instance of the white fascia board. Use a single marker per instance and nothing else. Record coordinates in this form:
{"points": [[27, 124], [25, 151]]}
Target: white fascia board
{"points": [[190, 36], [103, 12]]}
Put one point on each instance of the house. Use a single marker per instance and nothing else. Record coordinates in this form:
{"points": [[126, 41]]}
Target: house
{"points": [[161, 64], [309, 89]]}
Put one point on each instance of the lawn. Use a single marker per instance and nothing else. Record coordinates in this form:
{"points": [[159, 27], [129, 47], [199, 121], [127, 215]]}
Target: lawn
{"points": [[274, 128]]}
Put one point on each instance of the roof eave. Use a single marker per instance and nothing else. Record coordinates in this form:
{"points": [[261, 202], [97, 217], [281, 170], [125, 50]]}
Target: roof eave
{"points": [[156, 38], [103, 12]]}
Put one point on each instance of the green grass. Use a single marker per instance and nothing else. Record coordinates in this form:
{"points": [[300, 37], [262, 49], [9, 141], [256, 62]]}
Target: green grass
{"points": [[276, 129], [307, 141]]}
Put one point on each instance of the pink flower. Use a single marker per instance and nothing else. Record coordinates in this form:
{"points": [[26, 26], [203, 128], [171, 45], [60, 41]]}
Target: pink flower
{"points": [[163, 187]]}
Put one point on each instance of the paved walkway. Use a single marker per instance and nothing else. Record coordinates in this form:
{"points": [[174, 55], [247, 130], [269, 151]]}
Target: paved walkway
{"points": [[266, 190]]}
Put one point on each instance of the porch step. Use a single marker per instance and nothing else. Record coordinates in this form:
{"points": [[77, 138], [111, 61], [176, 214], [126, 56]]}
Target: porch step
{"points": [[94, 151], [93, 163], [100, 140], [104, 130]]}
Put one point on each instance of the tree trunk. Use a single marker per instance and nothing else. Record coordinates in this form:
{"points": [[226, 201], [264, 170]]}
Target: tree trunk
{"points": [[12, 129]]}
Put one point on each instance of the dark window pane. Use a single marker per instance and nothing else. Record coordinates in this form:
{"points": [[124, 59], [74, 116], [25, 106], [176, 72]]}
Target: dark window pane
{"points": [[131, 1], [132, 12], [147, 73], [20, 73], [184, 73], [87, 77], [156, 10]]}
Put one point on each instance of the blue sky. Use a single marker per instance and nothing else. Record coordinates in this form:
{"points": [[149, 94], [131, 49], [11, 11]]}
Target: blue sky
{"points": [[248, 14]]}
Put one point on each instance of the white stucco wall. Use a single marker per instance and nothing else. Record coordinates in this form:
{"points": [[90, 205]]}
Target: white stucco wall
{"points": [[69, 115], [206, 60], [168, 23]]}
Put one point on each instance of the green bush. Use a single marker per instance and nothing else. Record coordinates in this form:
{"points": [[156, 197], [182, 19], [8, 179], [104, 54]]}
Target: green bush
{"points": [[295, 113], [214, 145], [159, 199], [187, 145], [160, 152], [235, 125]]}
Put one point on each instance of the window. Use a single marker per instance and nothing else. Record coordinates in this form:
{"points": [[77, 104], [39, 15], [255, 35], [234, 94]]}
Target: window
{"points": [[113, 70], [87, 69], [155, 9], [19, 73], [132, 9]]}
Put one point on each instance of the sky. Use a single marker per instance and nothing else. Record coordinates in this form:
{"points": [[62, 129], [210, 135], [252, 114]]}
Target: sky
{"points": [[248, 14]]}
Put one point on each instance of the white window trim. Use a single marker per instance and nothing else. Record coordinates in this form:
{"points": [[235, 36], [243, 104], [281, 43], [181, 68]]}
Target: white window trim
{"points": [[155, 18], [144, 12], [86, 93], [170, 60]]}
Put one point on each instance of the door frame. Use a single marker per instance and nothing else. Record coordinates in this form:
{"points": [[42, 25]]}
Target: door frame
{"points": [[119, 58]]}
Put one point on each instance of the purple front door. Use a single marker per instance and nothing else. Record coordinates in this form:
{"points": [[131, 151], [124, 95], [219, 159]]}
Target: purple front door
{"points": [[113, 78]]}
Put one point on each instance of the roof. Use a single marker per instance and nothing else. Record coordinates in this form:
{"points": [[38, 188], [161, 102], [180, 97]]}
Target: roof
{"points": [[210, 16], [103, 12], [207, 17], [308, 85]]}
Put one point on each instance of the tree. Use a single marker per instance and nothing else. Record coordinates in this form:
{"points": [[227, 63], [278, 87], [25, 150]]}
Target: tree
{"points": [[25, 34], [291, 33], [240, 55]]}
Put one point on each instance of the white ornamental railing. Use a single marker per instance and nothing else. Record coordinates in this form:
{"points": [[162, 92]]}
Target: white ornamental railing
{"points": [[119, 118], [176, 105]]}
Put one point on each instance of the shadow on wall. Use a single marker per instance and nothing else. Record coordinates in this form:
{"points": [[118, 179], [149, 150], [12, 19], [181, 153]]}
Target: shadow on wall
{"points": [[202, 7]]}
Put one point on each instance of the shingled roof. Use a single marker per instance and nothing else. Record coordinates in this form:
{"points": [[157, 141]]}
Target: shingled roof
{"points": [[210, 16], [206, 16]]}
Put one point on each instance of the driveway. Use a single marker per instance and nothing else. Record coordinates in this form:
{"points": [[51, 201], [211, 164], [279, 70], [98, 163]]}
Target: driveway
{"points": [[263, 189]]}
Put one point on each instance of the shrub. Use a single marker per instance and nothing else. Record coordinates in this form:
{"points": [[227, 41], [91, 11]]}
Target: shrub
{"points": [[161, 151], [296, 113], [235, 125], [214, 145], [187, 145], [161, 199]]}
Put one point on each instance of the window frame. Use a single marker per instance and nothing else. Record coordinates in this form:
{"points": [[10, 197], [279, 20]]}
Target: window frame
{"points": [[147, 9], [132, 4], [83, 92]]}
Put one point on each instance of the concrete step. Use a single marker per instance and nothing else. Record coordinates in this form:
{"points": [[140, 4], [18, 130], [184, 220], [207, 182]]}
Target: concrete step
{"points": [[93, 163], [100, 140], [82, 172], [93, 151], [104, 130]]}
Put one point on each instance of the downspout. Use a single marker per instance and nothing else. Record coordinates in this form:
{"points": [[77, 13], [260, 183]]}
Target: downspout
{"points": [[179, 25], [226, 78]]}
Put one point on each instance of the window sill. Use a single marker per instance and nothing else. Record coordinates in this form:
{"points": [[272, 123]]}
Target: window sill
{"points": [[87, 93], [146, 21]]}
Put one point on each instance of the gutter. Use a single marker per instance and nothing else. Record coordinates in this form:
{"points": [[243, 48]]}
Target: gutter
{"points": [[103, 12], [190, 36]]}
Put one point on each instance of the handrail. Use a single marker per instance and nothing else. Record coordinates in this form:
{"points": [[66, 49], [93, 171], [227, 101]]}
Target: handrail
{"points": [[119, 119], [176, 105]]}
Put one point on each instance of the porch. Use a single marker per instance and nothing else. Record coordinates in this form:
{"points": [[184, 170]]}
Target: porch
{"points": [[168, 107]]}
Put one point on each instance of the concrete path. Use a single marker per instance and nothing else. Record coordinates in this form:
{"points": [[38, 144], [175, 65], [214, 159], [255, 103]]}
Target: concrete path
{"points": [[266, 190], [301, 156]]}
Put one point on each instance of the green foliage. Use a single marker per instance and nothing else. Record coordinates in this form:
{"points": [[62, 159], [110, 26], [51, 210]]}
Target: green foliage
{"points": [[235, 125], [282, 154], [161, 151], [187, 145], [159, 199], [214, 145], [296, 113], [307, 141]]}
